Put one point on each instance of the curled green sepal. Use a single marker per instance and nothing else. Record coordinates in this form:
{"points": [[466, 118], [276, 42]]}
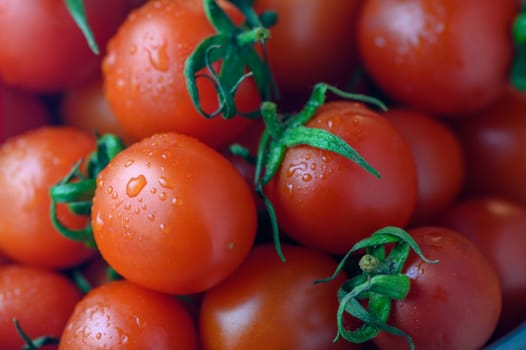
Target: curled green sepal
{"points": [[233, 48], [380, 282], [78, 13], [33, 344], [283, 132], [77, 188], [518, 68]]}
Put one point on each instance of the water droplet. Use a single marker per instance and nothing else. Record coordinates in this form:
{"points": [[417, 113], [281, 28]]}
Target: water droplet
{"points": [[308, 156], [109, 190], [164, 182], [151, 217], [158, 57], [99, 222], [293, 168], [98, 335], [290, 187], [127, 206], [313, 166], [135, 185], [144, 207], [121, 83], [163, 196], [306, 177], [164, 228], [114, 195], [132, 49], [153, 190], [129, 163]]}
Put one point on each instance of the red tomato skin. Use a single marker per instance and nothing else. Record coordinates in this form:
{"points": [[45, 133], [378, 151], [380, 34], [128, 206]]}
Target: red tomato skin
{"points": [[20, 111], [327, 202], [268, 304], [454, 304], [144, 78], [180, 208], [31, 163], [447, 57], [321, 32], [439, 160], [497, 227], [122, 315], [41, 300], [494, 144], [64, 58]]}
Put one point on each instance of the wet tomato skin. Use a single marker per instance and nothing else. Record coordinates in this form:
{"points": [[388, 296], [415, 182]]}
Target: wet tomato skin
{"points": [[144, 79], [454, 304], [122, 315], [179, 208], [41, 300], [328, 202], [31, 163]]}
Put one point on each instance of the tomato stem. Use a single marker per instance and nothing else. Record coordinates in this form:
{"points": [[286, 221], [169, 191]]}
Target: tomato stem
{"points": [[518, 68], [34, 344]]}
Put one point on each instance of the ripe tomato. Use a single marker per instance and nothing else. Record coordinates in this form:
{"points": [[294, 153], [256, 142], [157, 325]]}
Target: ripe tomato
{"points": [[445, 57], [328, 202], [43, 30], [41, 301], [321, 32], [144, 75], [439, 161], [122, 315], [454, 304], [268, 304], [494, 144], [497, 228], [179, 208], [85, 106], [20, 111], [30, 164]]}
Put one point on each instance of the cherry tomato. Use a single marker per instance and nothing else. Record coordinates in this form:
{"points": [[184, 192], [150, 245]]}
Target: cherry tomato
{"points": [[320, 34], [41, 301], [179, 208], [445, 57], [494, 144], [20, 111], [268, 304], [85, 106], [497, 227], [31, 163], [454, 304], [144, 78], [328, 202], [122, 315], [42, 47], [439, 161]]}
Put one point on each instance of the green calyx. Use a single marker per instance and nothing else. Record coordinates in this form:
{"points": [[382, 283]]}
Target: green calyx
{"points": [[283, 132], [380, 282], [234, 47], [33, 344], [78, 13], [77, 188], [518, 68]]}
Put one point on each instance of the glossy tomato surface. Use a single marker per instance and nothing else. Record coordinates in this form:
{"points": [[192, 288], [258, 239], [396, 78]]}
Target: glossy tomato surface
{"points": [[328, 202], [179, 208], [269, 304], [454, 304], [445, 57], [439, 161], [144, 79], [30, 164], [497, 227], [122, 315], [42, 47], [41, 301], [313, 41]]}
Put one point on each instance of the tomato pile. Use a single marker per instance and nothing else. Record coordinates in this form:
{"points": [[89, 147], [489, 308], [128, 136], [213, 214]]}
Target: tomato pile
{"points": [[262, 174]]}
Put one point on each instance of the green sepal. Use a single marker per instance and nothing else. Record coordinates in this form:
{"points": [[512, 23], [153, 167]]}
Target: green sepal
{"points": [[78, 13], [33, 344]]}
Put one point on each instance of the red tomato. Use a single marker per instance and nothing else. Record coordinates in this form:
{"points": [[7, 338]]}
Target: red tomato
{"points": [[268, 304], [494, 143], [445, 57], [313, 41], [86, 107], [31, 163], [454, 304], [328, 202], [42, 47], [497, 228], [19, 112], [144, 78], [179, 208], [41, 301], [122, 315], [439, 162]]}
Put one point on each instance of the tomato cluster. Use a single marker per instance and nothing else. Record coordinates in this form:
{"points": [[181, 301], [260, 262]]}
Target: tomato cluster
{"points": [[261, 174]]}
